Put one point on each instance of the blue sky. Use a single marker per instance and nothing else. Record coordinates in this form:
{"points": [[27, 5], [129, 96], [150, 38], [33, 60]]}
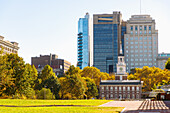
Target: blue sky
{"points": [[50, 26]]}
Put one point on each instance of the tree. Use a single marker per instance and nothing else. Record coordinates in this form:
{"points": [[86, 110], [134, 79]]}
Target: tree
{"points": [[47, 72], [72, 87], [152, 77], [45, 94], [167, 64], [92, 88], [73, 70], [16, 77], [95, 74]]}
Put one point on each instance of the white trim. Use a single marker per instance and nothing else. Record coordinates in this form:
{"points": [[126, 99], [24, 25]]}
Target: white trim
{"points": [[123, 110]]}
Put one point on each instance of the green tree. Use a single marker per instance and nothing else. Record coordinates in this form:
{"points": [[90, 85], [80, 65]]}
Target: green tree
{"points": [[91, 88], [73, 70], [72, 87], [47, 72], [45, 94], [167, 64]]}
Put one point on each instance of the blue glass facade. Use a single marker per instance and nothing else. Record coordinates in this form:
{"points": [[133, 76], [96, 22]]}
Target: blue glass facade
{"points": [[123, 31], [83, 48], [105, 47]]}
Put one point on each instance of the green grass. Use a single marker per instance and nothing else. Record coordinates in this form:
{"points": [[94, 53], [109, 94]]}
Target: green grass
{"points": [[60, 109], [21, 102], [90, 106]]}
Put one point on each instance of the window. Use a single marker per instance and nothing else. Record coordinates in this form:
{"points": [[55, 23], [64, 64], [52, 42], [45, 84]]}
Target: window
{"points": [[115, 88], [136, 28], [131, 47], [140, 38], [128, 96], [141, 51], [136, 51], [127, 38], [124, 88], [126, 51], [132, 59], [131, 42], [145, 28], [145, 51], [141, 42], [136, 55], [127, 47], [133, 96], [102, 88], [131, 51], [131, 27], [145, 59], [150, 42], [149, 38], [145, 47], [133, 88], [145, 42], [107, 88], [126, 59], [128, 88], [145, 38], [132, 55], [140, 32], [136, 47], [127, 43], [149, 27], [149, 32], [111, 95], [102, 95], [136, 59], [144, 32], [140, 59], [136, 64], [131, 32], [111, 88], [136, 32], [137, 96], [131, 38], [136, 38], [120, 88], [136, 42], [140, 28]]}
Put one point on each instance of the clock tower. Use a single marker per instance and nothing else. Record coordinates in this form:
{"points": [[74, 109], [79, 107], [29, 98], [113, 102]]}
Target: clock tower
{"points": [[121, 66]]}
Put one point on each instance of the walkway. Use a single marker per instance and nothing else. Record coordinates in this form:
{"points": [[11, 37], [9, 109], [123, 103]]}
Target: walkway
{"points": [[141, 106]]}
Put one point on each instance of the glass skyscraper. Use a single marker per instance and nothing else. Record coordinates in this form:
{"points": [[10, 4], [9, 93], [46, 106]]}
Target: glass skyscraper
{"points": [[106, 37], [83, 42]]}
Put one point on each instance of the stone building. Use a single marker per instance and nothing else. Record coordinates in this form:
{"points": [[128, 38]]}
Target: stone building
{"points": [[8, 47], [162, 59], [140, 42], [121, 88], [60, 66]]}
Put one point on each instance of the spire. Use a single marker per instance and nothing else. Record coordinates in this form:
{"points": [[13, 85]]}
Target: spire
{"points": [[121, 48]]}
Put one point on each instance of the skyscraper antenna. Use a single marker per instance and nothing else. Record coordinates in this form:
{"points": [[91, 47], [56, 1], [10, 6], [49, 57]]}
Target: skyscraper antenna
{"points": [[140, 6]]}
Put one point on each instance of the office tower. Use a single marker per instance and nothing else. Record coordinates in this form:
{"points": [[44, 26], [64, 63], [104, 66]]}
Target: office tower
{"points": [[162, 59], [60, 66], [108, 30], [84, 53], [8, 47], [140, 42]]}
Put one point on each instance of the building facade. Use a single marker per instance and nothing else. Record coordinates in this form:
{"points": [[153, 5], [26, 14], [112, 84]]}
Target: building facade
{"points": [[60, 66], [140, 42], [121, 88], [84, 53], [108, 30], [8, 47], [162, 59]]}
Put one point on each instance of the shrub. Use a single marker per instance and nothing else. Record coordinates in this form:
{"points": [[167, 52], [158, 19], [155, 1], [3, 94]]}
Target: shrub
{"points": [[45, 94]]}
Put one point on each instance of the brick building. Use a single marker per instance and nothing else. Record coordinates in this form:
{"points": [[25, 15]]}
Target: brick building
{"points": [[60, 66], [121, 88]]}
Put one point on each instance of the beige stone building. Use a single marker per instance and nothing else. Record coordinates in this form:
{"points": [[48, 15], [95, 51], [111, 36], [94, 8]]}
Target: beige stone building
{"points": [[8, 47], [140, 42]]}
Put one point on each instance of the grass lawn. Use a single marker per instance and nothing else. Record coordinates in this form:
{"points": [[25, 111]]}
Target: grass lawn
{"points": [[60, 109], [90, 106], [21, 102]]}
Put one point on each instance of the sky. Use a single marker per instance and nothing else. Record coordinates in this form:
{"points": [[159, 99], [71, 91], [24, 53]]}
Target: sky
{"points": [[51, 26]]}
